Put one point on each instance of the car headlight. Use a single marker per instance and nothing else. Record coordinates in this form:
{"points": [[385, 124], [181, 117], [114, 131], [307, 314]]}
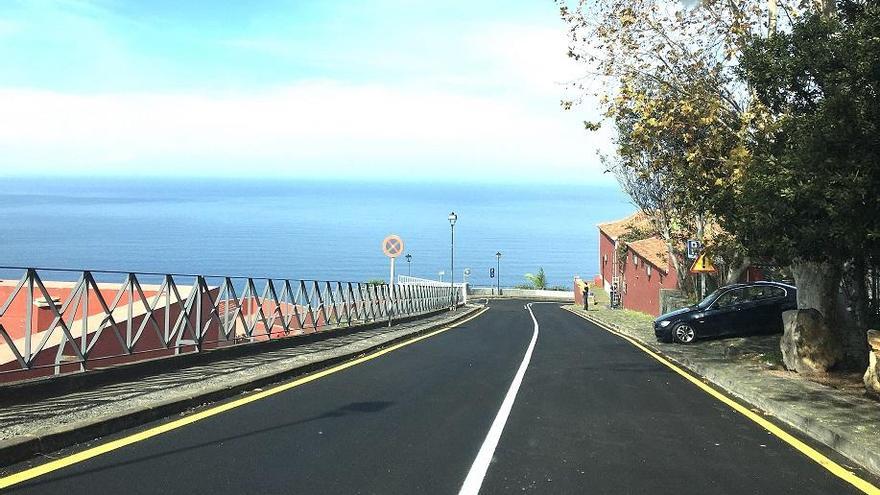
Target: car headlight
{"points": [[665, 323]]}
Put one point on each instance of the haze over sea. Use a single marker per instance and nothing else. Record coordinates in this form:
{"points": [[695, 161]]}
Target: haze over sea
{"points": [[302, 229]]}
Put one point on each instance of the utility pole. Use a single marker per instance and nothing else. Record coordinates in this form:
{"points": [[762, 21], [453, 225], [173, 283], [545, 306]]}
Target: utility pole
{"points": [[452, 219], [498, 272]]}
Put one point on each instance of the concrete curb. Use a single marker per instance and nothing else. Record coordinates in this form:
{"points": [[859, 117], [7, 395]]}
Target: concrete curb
{"points": [[840, 441], [22, 448]]}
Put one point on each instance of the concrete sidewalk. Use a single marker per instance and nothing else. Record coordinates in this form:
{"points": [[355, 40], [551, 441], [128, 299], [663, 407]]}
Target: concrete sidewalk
{"points": [[31, 429], [846, 421]]}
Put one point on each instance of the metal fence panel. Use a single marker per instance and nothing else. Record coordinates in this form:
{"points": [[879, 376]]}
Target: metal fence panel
{"points": [[55, 321]]}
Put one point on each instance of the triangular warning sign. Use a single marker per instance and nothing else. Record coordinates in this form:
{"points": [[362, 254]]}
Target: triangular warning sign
{"points": [[703, 265]]}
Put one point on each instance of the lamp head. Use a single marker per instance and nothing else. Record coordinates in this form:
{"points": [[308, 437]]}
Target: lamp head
{"points": [[452, 218]]}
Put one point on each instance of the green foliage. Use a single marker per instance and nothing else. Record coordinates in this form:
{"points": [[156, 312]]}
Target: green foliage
{"points": [[537, 280], [727, 113], [376, 281], [811, 191], [681, 112]]}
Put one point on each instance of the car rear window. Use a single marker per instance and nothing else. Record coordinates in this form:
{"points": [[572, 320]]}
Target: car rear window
{"points": [[759, 292]]}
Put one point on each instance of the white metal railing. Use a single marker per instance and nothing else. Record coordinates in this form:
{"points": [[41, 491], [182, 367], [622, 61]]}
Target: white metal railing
{"points": [[461, 288], [52, 327]]}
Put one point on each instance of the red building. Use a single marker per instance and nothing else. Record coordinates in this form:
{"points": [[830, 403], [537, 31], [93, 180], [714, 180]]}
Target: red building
{"points": [[644, 268]]}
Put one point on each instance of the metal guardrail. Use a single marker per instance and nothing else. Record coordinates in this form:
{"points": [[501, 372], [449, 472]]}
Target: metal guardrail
{"points": [[461, 287], [50, 327]]}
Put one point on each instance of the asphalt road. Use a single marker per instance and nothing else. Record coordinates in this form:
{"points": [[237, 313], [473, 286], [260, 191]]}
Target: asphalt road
{"points": [[593, 415]]}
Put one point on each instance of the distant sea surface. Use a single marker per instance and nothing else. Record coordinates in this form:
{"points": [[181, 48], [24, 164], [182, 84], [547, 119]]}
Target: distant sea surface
{"points": [[312, 230]]}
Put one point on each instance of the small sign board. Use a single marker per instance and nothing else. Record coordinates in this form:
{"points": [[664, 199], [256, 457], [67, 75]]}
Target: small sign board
{"points": [[467, 272], [693, 248], [392, 246], [703, 265], [491, 273]]}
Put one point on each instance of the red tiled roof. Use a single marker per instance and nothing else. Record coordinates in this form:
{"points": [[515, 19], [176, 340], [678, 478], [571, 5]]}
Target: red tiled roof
{"points": [[615, 229], [653, 250]]}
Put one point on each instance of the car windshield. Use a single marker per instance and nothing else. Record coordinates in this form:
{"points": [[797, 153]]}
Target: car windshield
{"points": [[708, 300]]}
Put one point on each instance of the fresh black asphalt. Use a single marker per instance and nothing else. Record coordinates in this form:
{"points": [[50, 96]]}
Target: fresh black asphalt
{"points": [[593, 415]]}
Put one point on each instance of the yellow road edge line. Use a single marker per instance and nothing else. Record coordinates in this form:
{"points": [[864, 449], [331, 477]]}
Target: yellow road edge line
{"points": [[72, 459], [816, 456]]}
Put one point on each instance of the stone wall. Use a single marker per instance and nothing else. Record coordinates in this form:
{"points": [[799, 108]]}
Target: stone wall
{"points": [[555, 295], [672, 299]]}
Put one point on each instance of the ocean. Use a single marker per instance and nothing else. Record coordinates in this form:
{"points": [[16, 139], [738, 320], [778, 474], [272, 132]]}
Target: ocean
{"points": [[303, 229]]}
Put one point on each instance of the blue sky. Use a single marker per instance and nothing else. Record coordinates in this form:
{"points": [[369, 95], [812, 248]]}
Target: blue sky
{"points": [[386, 89]]}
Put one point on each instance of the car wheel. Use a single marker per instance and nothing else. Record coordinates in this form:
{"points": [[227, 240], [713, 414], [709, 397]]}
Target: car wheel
{"points": [[683, 333]]}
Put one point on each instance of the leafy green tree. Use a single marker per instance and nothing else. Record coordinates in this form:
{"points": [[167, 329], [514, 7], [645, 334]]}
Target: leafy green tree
{"points": [[767, 124], [810, 194]]}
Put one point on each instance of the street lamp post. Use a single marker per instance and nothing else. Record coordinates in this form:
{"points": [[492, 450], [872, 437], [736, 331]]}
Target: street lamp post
{"points": [[498, 272], [452, 219], [409, 265]]}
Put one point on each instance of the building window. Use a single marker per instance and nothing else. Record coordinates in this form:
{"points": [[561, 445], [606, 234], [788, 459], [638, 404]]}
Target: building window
{"points": [[605, 259], [648, 269], [635, 260]]}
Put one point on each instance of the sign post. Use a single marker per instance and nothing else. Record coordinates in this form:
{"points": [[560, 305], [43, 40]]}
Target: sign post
{"points": [[703, 265], [392, 246]]}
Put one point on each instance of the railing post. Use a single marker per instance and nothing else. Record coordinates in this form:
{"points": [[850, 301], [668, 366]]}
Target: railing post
{"points": [[168, 281], [128, 325], [199, 300], [83, 340], [29, 315]]}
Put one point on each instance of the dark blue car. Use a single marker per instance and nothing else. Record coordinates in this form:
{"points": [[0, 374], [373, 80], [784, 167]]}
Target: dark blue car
{"points": [[739, 309]]}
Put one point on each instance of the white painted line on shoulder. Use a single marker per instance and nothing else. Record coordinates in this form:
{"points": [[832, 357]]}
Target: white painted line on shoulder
{"points": [[478, 470]]}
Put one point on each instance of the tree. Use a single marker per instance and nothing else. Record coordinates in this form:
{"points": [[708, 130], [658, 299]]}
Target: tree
{"points": [[672, 160], [537, 280], [767, 128], [817, 163], [680, 111]]}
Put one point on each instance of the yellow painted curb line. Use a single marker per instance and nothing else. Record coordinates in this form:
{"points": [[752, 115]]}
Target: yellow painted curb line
{"points": [[72, 459], [836, 469]]}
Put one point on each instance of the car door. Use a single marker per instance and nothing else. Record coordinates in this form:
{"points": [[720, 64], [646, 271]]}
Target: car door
{"points": [[768, 301], [722, 317], [743, 319]]}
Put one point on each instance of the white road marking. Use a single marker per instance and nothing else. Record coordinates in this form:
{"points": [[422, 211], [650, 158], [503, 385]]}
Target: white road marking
{"points": [[475, 476]]}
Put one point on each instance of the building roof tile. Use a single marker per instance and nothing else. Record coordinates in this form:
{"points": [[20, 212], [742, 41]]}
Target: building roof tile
{"points": [[615, 229], [653, 250]]}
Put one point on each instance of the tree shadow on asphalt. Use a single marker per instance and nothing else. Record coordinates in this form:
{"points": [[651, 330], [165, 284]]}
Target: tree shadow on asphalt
{"points": [[346, 410]]}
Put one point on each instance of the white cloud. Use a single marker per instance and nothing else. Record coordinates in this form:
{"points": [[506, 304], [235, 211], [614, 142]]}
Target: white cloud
{"points": [[305, 129], [482, 104]]}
